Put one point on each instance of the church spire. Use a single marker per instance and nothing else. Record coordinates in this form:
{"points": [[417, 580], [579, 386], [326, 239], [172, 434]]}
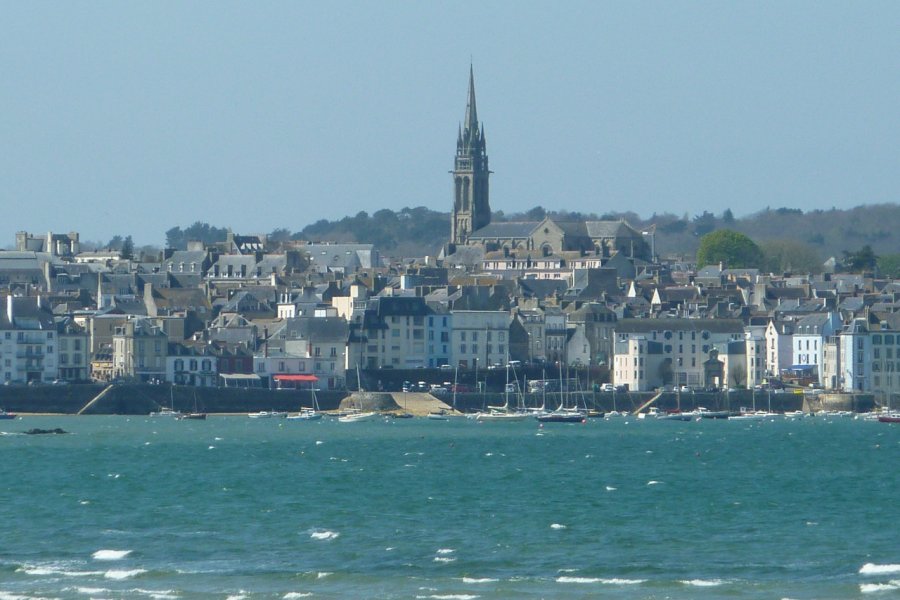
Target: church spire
{"points": [[471, 207], [471, 111]]}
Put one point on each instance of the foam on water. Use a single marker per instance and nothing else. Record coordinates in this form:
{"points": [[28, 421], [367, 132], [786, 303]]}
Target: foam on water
{"points": [[323, 574], [324, 535], [653, 482], [157, 594], [12, 596], [54, 569], [703, 582], [451, 596], [875, 569], [110, 554], [610, 488], [557, 526], [123, 573], [479, 580], [873, 588], [295, 595], [445, 551], [603, 580], [444, 559]]}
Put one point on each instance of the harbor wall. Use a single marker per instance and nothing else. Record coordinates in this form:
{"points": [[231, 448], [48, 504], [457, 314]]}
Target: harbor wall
{"points": [[141, 399]]}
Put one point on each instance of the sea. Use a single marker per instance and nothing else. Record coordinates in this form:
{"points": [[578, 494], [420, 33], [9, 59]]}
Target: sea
{"points": [[233, 508]]}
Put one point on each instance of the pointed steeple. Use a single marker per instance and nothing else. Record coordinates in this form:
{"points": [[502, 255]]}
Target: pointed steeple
{"points": [[471, 111]]}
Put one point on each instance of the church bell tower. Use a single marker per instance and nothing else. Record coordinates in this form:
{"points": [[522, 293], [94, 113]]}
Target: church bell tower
{"points": [[471, 209]]}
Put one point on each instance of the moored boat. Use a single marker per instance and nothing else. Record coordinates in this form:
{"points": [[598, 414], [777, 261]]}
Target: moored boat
{"points": [[7, 415], [268, 414]]}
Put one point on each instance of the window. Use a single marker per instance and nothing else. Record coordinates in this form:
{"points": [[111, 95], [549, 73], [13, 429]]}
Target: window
{"points": [[193, 364], [462, 348], [462, 335], [49, 335], [474, 336], [333, 351]]}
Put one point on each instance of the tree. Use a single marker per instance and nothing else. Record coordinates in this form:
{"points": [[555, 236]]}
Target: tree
{"points": [[536, 214], [889, 265], [734, 249], [127, 251], [704, 223], [784, 256], [863, 259], [115, 243], [728, 217]]}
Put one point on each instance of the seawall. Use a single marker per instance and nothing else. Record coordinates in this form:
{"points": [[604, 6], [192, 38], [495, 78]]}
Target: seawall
{"points": [[141, 399]]}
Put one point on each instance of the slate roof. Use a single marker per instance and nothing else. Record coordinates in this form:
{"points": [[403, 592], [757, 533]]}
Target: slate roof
{"points": [[651, 325], [505, 230]]}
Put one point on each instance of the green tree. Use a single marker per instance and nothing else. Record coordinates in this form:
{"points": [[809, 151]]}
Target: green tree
{"points": [[127, 251], [734, 249], [783, 256], [889, 265], [704, 223], [728, 217], [863, 259]]}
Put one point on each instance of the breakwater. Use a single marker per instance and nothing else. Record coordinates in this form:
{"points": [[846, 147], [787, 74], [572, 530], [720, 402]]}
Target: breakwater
{"points": [[141, 399]]}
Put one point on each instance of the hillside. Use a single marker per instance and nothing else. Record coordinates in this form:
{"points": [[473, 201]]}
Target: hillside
{"points": [[793, 238]]}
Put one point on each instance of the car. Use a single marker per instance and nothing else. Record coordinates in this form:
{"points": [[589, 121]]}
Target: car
{"points": [[514, 363], [422, 386], [685, 389], [510, 388], [446, 367], [607, 387], [407, 386]]}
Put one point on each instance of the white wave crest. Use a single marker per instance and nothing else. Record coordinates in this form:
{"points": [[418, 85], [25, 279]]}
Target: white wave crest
{"points": [[89, 590], [324, 535], [557, 526], [323, 574], [874, 569], [478, 580], [110, 554], [444, 559], [606, 581], [610, 488], [451, 596], [652, 482], [703, 582], [872, 588], [123, 573], [42, 570], [445, 551], [295, 595], [157, 594]]}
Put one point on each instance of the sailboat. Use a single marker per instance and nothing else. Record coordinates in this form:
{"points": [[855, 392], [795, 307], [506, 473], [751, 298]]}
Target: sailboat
{"points": [[196, 415], [443, 414], [308, 413], [167, 411], [563, 414], [503, 413], [357, 414]]}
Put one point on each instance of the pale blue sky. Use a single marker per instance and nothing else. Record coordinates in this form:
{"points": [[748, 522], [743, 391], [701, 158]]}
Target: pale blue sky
{"points": [[133, 117]]}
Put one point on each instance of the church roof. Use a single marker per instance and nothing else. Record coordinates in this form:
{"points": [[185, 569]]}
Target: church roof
{"points": [[508, 229], [610, 229]]}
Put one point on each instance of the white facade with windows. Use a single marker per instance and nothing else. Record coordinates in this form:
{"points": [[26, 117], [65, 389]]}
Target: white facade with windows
{"points": [[479, 338]]}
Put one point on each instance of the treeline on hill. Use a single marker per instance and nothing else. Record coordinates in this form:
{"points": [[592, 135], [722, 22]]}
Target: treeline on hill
{"points": [[790, 239]]}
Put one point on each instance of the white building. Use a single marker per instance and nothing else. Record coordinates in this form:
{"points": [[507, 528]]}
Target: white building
{"points": [[28, 341], [479, 338]]}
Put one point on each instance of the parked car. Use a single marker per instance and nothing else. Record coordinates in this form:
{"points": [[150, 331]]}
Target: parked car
{"points": [[407, 386], [685, 389], [607, 387]]}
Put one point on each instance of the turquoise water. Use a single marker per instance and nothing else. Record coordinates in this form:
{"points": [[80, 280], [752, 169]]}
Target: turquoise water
{"points": [[242, 508]]}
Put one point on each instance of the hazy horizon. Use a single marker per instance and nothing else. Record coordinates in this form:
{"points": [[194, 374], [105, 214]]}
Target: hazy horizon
{"points": [[135, 118]]}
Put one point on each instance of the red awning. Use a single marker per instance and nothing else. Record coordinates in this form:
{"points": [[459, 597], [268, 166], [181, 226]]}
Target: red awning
{"points": [[296, 378]]}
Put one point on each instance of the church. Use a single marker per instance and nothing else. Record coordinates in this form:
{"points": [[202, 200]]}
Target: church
{"points": [[470, 223]]}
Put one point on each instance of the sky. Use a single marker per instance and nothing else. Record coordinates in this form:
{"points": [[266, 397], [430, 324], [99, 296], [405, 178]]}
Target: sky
{"points": [[130, 118]]}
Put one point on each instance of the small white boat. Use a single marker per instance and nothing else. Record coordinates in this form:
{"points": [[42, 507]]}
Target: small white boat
{"points": [[165, 412], [501, 415], [268, 414], [305, 414], [353, 417]]}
